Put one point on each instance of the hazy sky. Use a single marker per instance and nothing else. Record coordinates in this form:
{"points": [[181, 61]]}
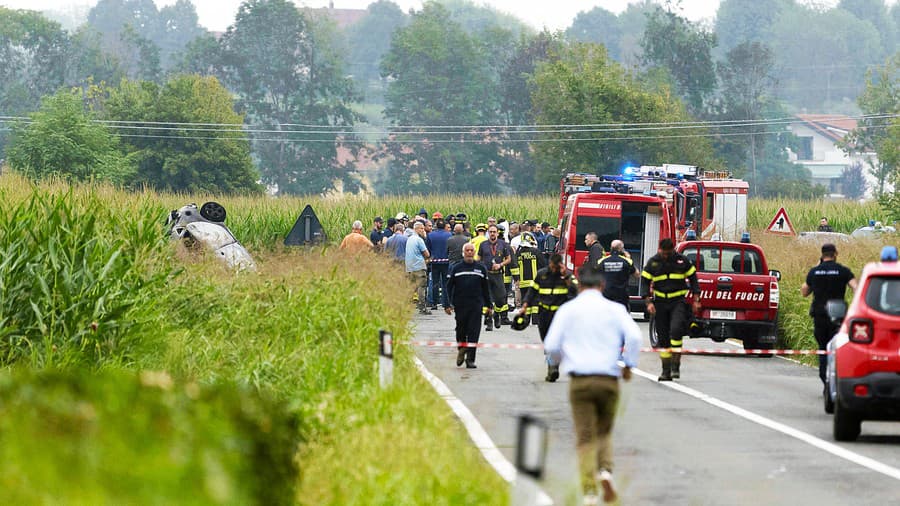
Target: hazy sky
{"points": [[216, 15]]}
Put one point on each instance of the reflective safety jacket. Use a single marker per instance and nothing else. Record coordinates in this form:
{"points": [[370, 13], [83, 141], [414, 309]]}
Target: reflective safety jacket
{"points": [[669, 277], [551, 290], [530, 261]]}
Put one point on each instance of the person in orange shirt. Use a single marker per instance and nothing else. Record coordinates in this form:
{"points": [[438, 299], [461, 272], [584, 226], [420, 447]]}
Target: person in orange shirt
{"points": [[355, 241]]}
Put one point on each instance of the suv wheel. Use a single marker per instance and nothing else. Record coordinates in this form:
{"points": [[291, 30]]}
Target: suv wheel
{"points": [[828, 402], [847, 424]]}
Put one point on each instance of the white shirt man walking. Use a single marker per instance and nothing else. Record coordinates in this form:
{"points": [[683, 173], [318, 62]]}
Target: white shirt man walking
{"points": [[588, 337]]}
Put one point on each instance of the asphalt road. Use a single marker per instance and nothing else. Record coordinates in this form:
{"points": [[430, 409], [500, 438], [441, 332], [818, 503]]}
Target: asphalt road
{"points": [[683, 445]]}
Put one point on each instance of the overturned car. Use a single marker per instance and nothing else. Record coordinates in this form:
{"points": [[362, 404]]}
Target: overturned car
{"points": [[206, 226]]}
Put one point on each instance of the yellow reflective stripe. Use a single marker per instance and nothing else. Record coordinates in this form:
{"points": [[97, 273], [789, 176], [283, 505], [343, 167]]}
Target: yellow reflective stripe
{"points": [[676, 343], [515, 271], [672, 295], [545, 291], [547, 307], [504, 307], [665, 354], [645, 274], [532, 310], [659, 278], [560, 291], [690, 272], [526, 283], [630, 262], [675, 275]]}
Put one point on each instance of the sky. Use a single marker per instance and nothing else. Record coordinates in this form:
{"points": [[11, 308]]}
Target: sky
{"points": [[216, 15]]}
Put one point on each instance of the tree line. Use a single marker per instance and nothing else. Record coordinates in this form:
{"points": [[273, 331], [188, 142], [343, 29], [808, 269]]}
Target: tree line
{"points": [[450, 98]]}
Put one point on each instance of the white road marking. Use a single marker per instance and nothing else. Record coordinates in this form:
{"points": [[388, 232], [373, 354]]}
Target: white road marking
{"points": [[831, 448], [479, 436]]}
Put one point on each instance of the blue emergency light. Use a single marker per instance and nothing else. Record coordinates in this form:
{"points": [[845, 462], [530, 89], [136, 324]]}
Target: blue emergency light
{"points": [[745, 237], [889, 254]]}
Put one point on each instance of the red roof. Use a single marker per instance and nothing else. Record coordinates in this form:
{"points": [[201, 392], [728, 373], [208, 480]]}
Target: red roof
{"points": [[833, 126]]}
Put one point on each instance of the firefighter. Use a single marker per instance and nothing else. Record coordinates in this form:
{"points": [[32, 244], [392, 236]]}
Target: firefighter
{"points": [[495, 254], [617, 268], [551, 288], [669, 273], [529, 261]]}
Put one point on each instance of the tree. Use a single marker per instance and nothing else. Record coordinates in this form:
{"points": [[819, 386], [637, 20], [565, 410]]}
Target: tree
{"points": [[583, 87], [739, 21], [204, 159], [61, 139], [684, 49], [475, 19], [599, 26], [747, 94], [515, 88], [32, 59], [439, 77], [370, 38], [177, 26], [822, 64], [875, 12], [853, 181], [879, 132], [286, 72]]}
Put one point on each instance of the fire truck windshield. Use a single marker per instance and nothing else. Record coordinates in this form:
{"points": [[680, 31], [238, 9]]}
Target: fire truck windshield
{"points": [[607, 230]]}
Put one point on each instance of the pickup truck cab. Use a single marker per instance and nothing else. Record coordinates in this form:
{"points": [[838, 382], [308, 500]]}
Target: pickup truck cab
{"points": [[739, 295], [863, 373]]}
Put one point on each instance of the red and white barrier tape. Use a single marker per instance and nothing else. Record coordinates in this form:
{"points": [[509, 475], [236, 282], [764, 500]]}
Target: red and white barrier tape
{"points": [[684, 351]]}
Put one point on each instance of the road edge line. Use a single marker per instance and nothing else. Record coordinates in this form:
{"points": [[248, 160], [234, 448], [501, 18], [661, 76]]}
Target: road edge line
{"points": [[479, 436], [838, 451]]}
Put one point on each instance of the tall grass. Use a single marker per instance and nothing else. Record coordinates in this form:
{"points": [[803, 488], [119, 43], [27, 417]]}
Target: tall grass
{"points": [[301, 331]]}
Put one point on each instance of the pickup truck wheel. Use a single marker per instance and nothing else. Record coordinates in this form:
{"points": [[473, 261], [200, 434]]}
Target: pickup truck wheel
{"points": [[654, 339], [753, 343], [847, 424]]}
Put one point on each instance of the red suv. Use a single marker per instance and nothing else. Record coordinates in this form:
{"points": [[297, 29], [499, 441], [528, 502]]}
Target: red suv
{"points": [[863, 375]]}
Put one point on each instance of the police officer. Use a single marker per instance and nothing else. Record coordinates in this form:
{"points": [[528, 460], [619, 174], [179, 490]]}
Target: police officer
{"points": [[825, 282], [617, 268], [495, 254], [551, 288], [468, 294], [669, 273]]}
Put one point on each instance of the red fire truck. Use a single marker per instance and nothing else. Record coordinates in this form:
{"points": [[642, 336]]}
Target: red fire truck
{"points": [[645, 204]]}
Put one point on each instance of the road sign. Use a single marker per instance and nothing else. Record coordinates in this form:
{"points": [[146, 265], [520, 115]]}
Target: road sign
{"points": [[307, 229], [781, 224]]}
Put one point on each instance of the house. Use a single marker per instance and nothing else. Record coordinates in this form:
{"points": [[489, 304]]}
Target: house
{"points": [[818, 150], [342, 17]]}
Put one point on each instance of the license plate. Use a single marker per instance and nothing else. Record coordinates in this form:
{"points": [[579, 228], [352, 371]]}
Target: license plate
{"points": [[722, 315]]}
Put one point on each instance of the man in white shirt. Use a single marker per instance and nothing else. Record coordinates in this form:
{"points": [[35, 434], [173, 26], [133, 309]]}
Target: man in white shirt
{"points": [[588, 338]]}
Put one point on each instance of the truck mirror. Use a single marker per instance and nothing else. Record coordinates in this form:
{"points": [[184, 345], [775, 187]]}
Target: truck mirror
{"points": [[836, 309], [775, 273]]}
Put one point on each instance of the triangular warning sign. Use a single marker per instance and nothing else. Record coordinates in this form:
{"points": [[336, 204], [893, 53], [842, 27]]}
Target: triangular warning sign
{"points": [[307, 229], [781, 224]]}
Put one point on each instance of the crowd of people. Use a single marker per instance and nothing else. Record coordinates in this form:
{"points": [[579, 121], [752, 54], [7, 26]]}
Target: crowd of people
{"points": [[427, 247]]}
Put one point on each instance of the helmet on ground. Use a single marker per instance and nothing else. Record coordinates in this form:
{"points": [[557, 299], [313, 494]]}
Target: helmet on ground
{"points": [[529, 240], [520, 320]]}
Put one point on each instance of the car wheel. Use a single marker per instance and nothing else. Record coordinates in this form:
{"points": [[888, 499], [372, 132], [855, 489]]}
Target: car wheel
{"points": [[828, 402], [654, 339], [847, 424]]}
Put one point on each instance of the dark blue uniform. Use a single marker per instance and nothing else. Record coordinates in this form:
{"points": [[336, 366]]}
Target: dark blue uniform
{"points": [[827, 281], [616, 272], [469, 295]]}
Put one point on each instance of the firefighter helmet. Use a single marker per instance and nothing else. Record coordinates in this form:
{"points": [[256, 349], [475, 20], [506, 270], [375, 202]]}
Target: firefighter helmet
{"points": [[520, 320], [529, 240]]}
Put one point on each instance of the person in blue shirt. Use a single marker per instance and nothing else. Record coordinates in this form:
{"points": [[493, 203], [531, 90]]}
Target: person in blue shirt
{"points": [[440, 262], [396, 244], [589, 337]]}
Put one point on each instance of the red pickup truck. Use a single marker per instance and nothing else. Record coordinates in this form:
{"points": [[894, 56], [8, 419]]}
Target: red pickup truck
{"points": [[738, 293]]}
